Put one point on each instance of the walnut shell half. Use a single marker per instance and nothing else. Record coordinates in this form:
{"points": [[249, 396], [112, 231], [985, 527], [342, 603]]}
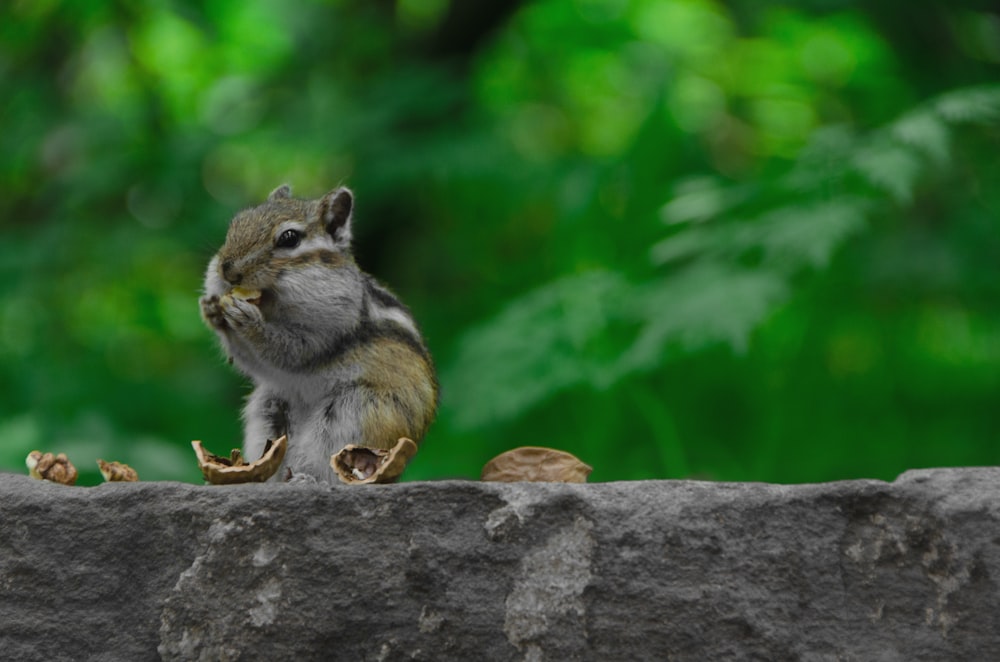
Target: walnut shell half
{"points": [[219, 470], [116, 472], [357, 465], [53, 468], [536, 464]]}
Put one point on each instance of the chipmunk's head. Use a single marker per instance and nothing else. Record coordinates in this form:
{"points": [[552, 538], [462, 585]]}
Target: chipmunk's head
{"points": [[283, 235]]}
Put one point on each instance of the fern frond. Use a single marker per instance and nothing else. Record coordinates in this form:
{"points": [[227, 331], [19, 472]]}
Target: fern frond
{"points": [[891, 168], [728, 263], [537, 345], [703, 306], [970, 105], [924, 131]]}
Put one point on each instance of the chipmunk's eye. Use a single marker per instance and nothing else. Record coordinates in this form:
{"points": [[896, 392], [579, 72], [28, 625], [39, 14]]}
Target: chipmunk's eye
{"points": [[288, 239]]}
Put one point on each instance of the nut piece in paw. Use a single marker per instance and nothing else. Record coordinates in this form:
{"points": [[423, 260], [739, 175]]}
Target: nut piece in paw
{"points": [[219, 470], [535, 464], [116, 472], [358, 465], [53, 468], [245, 294]]}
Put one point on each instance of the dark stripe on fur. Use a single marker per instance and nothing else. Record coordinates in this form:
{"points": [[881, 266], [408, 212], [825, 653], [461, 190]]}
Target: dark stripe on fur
{"points": [[382, 296], [335, 396], [369, 331], [275, 412]]}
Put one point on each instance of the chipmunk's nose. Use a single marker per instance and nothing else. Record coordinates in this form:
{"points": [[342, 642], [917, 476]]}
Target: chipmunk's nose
{"points": [[231, 274]]}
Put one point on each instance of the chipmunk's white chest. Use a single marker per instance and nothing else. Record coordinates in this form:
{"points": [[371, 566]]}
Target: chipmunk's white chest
{"points": [[307, 394], [318, 422]]}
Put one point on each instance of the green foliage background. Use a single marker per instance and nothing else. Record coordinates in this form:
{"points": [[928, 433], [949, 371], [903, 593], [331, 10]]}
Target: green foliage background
{"points": [[742, 240]]}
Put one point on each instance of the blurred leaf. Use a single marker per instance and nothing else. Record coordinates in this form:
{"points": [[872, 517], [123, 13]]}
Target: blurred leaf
{"points": [[892, 169], [924, 131], [696, 308], [539, 344], [978, 104]]}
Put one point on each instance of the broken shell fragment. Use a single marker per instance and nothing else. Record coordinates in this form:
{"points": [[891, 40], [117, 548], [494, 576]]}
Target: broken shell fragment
{"points": [[219, 470], [53, 468], [358, 465], [246, 294], [536, 464], [117, 472]]}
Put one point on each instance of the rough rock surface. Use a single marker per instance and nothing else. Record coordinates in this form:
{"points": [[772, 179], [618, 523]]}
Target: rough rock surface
{"points": [[665, 570]]}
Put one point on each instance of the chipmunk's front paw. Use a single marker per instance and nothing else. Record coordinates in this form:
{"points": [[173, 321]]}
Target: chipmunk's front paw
{"points": [[239, 314], [211, 311]]}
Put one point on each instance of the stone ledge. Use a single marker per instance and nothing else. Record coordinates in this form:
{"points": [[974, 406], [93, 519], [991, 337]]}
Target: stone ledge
{"points": [[653, 570]]}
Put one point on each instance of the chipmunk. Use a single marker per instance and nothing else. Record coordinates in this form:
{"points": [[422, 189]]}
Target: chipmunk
{"points": [[334, 356]]}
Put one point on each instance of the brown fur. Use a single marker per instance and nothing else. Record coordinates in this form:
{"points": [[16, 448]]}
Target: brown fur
{"points": [[401, 391]]}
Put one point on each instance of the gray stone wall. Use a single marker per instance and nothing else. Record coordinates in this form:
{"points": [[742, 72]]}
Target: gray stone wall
{"points": [[659, 570]]}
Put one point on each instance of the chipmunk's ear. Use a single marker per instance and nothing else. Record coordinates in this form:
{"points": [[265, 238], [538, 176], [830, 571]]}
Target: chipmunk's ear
{"points": [[283, 191], [335, 212]]}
